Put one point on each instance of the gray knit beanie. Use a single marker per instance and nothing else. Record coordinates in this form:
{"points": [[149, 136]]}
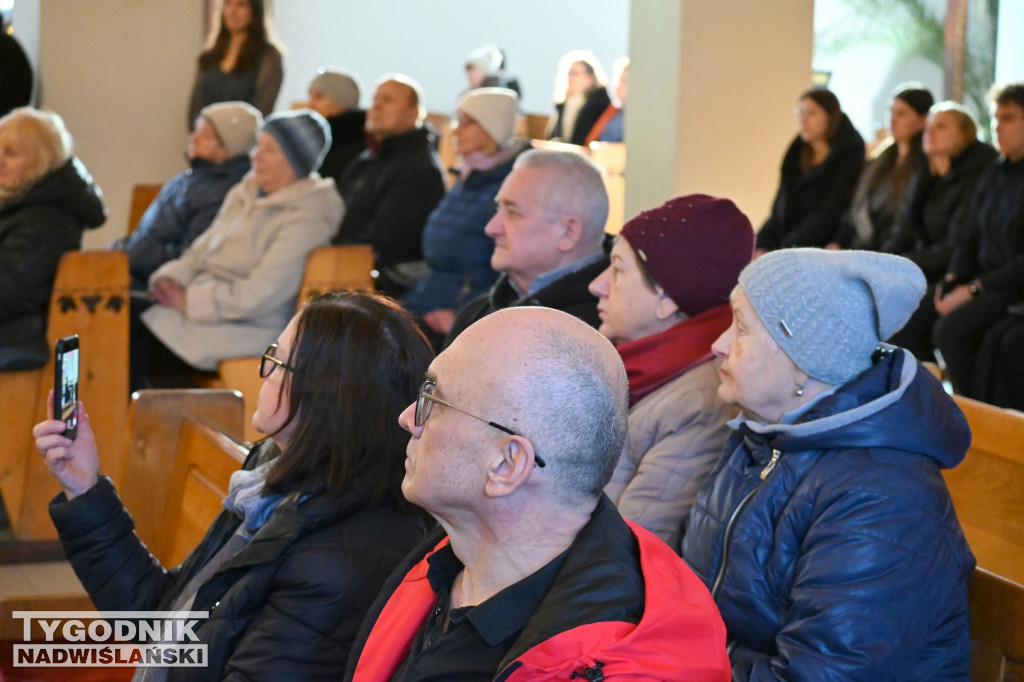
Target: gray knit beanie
{"points": [[304, 137], [235, 124], [340, 86], [828, 310]]}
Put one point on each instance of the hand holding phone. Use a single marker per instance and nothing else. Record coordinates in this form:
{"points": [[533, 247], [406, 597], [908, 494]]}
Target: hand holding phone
{"points": [[65, 386]]}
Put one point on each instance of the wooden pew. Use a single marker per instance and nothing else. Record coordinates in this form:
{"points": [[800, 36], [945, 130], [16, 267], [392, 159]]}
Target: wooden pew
{"points": [[156, 419], [203, 466], [90, 298], [988, 488], [442, 125], [328, 268], [142, 196], [997, 628]]}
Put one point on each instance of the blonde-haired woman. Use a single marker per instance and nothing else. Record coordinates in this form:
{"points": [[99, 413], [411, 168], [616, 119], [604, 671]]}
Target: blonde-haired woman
{"points": [[47, 199], [580, 96]]}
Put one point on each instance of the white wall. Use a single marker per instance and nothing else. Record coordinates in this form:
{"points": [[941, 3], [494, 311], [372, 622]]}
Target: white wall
{"points": [[429, 41], [120, 72], [1010, 42]]}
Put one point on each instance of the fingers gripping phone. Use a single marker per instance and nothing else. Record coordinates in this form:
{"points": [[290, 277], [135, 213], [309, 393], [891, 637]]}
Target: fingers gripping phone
{"points": [[65, 387]]}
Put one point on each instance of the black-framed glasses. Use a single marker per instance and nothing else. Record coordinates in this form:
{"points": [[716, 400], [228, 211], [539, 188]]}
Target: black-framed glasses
{"points": [[425, 403], [268, 362]]}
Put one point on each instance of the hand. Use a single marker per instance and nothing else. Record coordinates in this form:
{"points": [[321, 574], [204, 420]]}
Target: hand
{"points": [[168, 292], [74, 463], [959, 295], [440, 321], [833, 246]]}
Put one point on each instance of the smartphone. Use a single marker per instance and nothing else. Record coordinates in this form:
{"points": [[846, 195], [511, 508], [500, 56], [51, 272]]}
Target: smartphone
{"points": [[65, 385]]}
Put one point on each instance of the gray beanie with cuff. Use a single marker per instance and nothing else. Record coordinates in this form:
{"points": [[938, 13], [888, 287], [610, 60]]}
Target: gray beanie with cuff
{"points": [[235, 124], [340, 86], [304, 137], [829, 310]]}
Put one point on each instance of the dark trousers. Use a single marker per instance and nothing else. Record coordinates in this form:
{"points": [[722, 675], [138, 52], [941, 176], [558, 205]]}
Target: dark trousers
{"points": [[151, 363], [999, 368], [959, 334]]}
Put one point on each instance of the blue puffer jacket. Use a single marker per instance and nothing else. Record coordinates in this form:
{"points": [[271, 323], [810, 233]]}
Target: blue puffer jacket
{"points": [[185, 207], [831, 544], [457, 251]]}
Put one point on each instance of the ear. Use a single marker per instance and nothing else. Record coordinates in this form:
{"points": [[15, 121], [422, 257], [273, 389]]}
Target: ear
{"points": [[510, 468], [666, 307], [570, 232]]}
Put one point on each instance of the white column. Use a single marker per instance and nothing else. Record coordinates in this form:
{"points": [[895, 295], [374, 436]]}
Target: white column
{"points": [[713, 84]]}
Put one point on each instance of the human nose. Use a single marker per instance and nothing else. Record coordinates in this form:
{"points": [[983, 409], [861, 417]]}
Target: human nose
{"points": [[721, 345], [407, 420], [493, 226], [599, 287]]}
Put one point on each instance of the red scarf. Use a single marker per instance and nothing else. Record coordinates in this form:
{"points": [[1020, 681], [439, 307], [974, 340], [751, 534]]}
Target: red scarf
{"points": [[653, 361]]}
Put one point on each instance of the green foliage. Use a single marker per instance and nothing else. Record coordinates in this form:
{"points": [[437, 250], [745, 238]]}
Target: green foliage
{"points": [[916, 28]]}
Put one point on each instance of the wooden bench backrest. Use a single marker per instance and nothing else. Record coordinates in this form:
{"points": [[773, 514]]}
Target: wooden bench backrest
{"points": [[90, 298], [328, 268], [988, 488], [442, 125], [142, 197], [997, 628], [155, 426], [336, 268], [537, 126], [199, 482]]}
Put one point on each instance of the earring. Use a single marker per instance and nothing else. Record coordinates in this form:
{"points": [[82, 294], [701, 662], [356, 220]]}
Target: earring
{"points": [[799, 391]]}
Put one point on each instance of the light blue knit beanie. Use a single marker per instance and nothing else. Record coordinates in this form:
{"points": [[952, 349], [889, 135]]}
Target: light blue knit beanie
{"points": [[828, 310], [304, 137]]}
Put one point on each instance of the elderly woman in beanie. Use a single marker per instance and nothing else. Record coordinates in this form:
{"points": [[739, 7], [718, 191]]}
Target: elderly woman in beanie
{"points": [[218, 157], [234, 289], [876, 202], [826, 533], [457, 252], [662, 301], [819, 174]]}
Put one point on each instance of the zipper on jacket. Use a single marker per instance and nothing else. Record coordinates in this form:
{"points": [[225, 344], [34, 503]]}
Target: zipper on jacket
{"points": [[765, 473]]}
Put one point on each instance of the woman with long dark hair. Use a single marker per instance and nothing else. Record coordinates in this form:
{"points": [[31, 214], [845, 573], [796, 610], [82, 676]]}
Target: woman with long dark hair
{"points": [[819, 173], [313, 522], [241, 61]]}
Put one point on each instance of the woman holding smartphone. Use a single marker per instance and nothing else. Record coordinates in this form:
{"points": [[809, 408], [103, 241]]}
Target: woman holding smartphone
{"points": [[313, 522]]}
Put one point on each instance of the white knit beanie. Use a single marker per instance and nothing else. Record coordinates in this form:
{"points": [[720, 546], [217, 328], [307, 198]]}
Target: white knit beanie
{"points": [[487, 59], [829, 310], [494, 109], [235, 123]]}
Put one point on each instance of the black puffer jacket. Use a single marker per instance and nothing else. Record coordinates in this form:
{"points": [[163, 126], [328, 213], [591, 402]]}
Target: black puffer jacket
{"points": [[285, 607], [597, 101], [809, 205], [36, 228], [388, 193], [348, 141], [936, 209]]}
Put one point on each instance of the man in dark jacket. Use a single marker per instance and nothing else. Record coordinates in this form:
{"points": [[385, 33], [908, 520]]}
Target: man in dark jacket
{"points": [[532, 570], [391, 188], [334, 94], [548, 236], [218, 153]]}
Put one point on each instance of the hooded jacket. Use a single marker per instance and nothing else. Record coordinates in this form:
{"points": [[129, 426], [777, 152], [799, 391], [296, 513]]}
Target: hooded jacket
{"points": [[36, 227], [643, 616], [242, 276], [831, 544], [184, 208], [810, 204], [284, 607], [935, 212]]}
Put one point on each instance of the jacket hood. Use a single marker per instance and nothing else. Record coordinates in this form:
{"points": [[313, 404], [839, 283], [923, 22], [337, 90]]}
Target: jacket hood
{"points": [[237, 165], [895, 404], [70, 187]]}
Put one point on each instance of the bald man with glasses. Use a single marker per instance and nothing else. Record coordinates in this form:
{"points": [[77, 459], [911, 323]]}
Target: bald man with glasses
{"points": [[531, 569]]}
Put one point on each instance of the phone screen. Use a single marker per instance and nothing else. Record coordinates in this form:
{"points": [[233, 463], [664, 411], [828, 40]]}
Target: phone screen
{"points": [[66, 385]]}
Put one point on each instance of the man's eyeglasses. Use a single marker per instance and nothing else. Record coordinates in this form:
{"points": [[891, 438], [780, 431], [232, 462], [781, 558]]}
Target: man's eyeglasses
{"points": [[268, 362], [425, 403]]}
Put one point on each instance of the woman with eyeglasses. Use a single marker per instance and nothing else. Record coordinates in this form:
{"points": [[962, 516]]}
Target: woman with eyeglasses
{"points": [[313, 522]]}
